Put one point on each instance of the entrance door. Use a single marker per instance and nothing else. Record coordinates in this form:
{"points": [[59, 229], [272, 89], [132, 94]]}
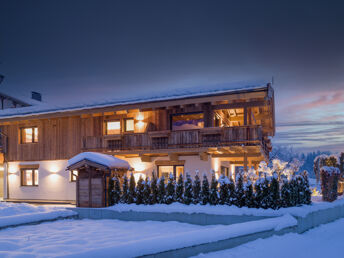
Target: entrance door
{"points": [[84, 193], [97, 192]]}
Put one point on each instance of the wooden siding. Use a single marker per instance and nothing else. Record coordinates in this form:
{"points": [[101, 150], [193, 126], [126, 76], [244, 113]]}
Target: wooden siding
{"points": [[63, 137]]}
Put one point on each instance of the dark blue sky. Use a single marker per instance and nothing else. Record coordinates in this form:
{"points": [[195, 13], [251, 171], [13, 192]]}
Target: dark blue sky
{"points": [[79, 50]]}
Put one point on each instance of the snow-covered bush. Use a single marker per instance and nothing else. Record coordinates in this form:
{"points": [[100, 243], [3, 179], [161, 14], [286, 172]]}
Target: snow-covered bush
{"points": [[329, 182], [170, 189], [268, 191]]}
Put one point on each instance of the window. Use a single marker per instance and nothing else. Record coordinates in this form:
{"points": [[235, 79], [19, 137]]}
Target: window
{"points": [[73, 175], [29, 135], [129, 125], [166, 170], [225, 171], [187, 121], [29, 177], [113, 127]]}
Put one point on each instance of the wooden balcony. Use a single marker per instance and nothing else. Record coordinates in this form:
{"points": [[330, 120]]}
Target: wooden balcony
{"points": [[165, 140]]}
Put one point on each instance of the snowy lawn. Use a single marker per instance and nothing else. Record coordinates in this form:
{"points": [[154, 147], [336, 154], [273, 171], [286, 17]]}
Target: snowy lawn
{"points": [[114, 238], [324, 241], [19, 213]]}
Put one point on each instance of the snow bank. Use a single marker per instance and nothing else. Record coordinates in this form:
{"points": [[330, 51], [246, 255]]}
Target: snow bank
{"points": [[12, 214], [189, 238], [102, 159], [34, 217], [301, 211], [323, 241]]}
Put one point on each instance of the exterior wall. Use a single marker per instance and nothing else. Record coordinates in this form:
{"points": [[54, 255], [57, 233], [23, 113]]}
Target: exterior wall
{"points": [[54, 182], [192, 163]]}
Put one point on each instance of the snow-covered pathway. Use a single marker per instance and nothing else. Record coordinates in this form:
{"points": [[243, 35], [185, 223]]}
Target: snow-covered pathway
{"points": [[324, 241]]}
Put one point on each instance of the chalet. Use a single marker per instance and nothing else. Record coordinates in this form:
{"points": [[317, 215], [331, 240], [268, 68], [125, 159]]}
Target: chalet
{"points": [[218, 129]]}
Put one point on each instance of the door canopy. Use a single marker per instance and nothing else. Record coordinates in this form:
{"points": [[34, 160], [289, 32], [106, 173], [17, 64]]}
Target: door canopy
{"points": [[98, 160]]}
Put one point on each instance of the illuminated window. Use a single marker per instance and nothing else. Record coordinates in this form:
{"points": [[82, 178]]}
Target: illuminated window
{"points": [[129, 125], [166, 170], [29, 177], [187, 121], [113, 127], [73, 175], [29, 135]]}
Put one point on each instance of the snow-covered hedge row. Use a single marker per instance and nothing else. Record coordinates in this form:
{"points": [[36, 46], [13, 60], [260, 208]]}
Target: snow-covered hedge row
{"points": [[255, 192]]}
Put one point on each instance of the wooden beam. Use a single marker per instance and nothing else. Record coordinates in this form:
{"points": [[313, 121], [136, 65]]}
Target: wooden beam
{"points": [[203, 156], [173, 156], [145, 158], [241, 105], [236, 155]]}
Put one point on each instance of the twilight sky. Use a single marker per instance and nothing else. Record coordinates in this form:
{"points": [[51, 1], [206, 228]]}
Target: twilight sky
{"points": [[77, 50]]}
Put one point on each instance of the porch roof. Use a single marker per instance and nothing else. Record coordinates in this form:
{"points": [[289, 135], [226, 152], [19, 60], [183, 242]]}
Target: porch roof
{"points": [[100, 160]]}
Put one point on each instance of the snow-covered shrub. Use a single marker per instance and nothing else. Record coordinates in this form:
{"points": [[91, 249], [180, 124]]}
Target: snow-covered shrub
{"points": [[170, 189], [223, 196], [249, 196], [125, 190], [154, 189], [147, 192], [111, 186], [140, 191], [214, 194], [180, 189], [161, 190], [205, 194], [196, 187], [329, 182], [275, 192], [132, 190], [188, 190], [116, 191], [239, 190]]}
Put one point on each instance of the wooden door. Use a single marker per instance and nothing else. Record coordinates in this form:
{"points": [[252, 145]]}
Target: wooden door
{"points": [[97, 192], [84, 193]]}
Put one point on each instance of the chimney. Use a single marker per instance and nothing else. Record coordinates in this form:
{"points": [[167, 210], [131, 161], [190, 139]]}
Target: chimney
{"points": [[36, 96]]}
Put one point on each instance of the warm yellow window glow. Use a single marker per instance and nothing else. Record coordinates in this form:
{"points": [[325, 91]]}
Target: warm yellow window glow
{"points": [[129, 125], [29, 177], [73, 175], [113, 127], [35, 134], [29, 135]]}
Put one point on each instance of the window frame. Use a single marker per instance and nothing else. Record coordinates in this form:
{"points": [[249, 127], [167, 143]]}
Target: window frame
{"points": [[186, 113], [174, 170], [34, 136], [125, 125], [22, 173], [71, 176], [113, 120]]}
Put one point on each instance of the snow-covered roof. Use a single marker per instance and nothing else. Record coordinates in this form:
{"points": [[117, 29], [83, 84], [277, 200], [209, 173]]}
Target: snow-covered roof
{"points": [[44, 108], [101, 159]]}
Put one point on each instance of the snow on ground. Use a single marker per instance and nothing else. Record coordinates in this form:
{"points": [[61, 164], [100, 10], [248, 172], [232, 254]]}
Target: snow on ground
{"points": [[323, 241], [19, 213], [301, 211], [114, 238]]}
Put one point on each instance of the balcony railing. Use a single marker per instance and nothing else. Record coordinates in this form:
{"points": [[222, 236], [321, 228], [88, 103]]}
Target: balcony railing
{"points": [[205, 137]]}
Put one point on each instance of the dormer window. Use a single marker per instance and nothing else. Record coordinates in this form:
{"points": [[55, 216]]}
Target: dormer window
{"points": [[29, 135]]}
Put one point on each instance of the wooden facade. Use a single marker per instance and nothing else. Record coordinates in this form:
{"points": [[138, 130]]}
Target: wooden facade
{"points": [[238, 122]]}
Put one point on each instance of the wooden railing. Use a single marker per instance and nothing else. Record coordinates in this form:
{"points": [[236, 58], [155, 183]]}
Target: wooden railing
{"points": [[205, 137]]}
